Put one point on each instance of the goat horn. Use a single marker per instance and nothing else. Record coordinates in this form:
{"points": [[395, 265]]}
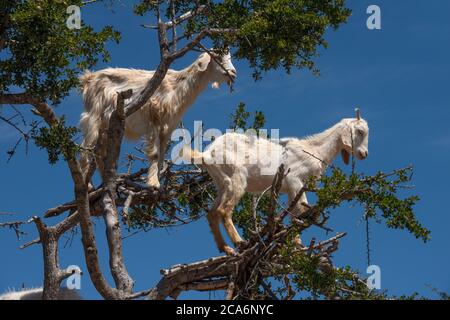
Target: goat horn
{"points": [[358, 114]]}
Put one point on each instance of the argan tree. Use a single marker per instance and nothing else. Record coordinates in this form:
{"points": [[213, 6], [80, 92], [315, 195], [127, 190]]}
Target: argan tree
{"points": [[40, 60]]}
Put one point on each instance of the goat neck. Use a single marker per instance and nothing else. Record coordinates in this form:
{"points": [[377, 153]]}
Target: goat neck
{"points": [[326, 145], [188, 84]]}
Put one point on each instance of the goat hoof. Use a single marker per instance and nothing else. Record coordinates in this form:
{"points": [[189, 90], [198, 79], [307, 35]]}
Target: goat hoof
{"points": [[228, 251], [154, 187], [153, 183], [90, 187]]}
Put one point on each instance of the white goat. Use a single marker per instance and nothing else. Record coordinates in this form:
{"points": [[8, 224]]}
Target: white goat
{"points": [[303, 158], [36, 294], [156, 120]]}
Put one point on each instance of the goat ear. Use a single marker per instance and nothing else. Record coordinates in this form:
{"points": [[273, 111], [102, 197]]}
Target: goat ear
{"points": [[345, 156], [347, 144], [347, 137], [203, 62]]}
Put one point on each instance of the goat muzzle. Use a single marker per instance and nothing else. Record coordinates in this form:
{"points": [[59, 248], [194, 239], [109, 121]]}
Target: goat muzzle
{"points": [[363, 154]]}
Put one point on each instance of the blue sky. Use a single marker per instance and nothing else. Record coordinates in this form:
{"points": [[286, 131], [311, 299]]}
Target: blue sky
{"points": [[398, 76]]}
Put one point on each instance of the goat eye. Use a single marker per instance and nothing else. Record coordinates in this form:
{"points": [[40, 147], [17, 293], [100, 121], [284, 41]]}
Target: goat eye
{"points": [[360, 132]]}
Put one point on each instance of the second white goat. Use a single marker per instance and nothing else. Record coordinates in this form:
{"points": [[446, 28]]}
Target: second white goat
{"points": [[238, 163]]}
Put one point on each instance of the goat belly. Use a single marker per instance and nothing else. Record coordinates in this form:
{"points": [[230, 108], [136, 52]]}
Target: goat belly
{"points": [[259, 184], [135, 126]]}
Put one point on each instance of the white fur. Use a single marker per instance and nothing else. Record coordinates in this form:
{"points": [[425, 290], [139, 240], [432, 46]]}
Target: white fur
{"points": [[238, 163], [36, 294], [157, 119]]}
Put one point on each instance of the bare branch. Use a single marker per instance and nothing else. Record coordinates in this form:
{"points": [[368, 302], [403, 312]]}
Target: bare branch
{"points": [[182, 18], [15, 226], [53, 212], [42, 109]]}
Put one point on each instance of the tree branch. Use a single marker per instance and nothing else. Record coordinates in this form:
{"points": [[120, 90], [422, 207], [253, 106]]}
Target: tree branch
{"points": [[182, 18], [42, 109], [113, 143]]}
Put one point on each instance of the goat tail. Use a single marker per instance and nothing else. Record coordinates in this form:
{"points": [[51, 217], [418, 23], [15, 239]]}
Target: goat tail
{"points": [[86, 78], [91, 96], [190, 155]]}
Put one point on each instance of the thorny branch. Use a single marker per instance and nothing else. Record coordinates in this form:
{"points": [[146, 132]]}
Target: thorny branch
{"points": [[15, 226], [24, 134]]}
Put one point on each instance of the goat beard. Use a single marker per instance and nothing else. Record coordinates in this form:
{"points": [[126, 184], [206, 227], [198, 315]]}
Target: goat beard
{"points": [[345, 156], [215, 85]]}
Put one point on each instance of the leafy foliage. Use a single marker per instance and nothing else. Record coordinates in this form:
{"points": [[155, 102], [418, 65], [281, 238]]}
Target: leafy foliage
{"points": [[187, 195], [269, 33], [377, 194], [241, 116], [280, 33], [40, 54], [57, 140], [314, 279]]}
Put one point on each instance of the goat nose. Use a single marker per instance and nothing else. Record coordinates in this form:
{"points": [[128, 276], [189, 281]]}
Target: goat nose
{"points": [[233, 73]]}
